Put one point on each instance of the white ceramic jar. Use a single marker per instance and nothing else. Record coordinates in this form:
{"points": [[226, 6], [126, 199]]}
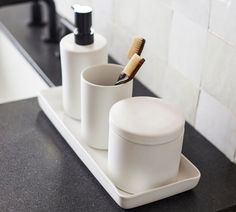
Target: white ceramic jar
{"points": [[145, 143]]}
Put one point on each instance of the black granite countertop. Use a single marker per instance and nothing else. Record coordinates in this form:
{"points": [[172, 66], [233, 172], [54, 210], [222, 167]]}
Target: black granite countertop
{"points": [[40, 172]]}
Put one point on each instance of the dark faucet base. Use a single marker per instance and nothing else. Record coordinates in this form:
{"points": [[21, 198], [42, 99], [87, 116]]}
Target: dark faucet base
{"points": [[49, 39], [36, 14], [37, 17], [52, 37], [33, 24]]}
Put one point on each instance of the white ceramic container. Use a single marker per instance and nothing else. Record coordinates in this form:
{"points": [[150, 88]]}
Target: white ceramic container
{"points": [[79, 50], [145, 143], [98, 94], [74, 58]]}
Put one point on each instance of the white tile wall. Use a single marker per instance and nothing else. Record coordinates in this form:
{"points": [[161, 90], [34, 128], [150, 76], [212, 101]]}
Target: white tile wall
{"points": [[232, 140], [155, 26], [103, 7], [104, 27], [153, 73], [103, 19], [191, 45], [119, 45], [126, 14], [168, 3], [187, 45], [219, 75], [217, 124], [196, 10], [222, 19], [181, 93]]}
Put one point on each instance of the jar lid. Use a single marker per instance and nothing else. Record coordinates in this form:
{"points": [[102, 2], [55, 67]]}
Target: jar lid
{"points": [[146, 120]]}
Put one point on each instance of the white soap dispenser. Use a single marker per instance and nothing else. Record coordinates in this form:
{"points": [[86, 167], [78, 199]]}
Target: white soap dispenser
{"points": [[79, 50]]}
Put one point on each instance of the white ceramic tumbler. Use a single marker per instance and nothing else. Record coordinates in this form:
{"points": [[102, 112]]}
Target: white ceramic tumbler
{"points": [[98, 94]]}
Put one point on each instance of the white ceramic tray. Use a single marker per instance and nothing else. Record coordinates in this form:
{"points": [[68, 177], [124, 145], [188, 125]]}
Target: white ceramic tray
{"points": [[96, 160]]}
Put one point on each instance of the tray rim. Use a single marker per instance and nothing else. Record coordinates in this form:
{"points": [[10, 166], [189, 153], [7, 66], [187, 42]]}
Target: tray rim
{"points": [[119, 198]]}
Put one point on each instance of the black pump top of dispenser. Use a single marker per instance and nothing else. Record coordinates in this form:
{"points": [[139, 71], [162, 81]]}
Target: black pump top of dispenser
{"points": [[83, 32]]}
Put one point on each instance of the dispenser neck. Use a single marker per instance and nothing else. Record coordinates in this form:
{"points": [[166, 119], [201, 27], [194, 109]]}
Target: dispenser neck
{"points": [[83, 33]]}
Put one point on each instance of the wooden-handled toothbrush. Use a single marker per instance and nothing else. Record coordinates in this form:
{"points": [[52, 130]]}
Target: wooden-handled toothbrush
{"points": [[136, 46], [130, 69], [135, 61]]}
